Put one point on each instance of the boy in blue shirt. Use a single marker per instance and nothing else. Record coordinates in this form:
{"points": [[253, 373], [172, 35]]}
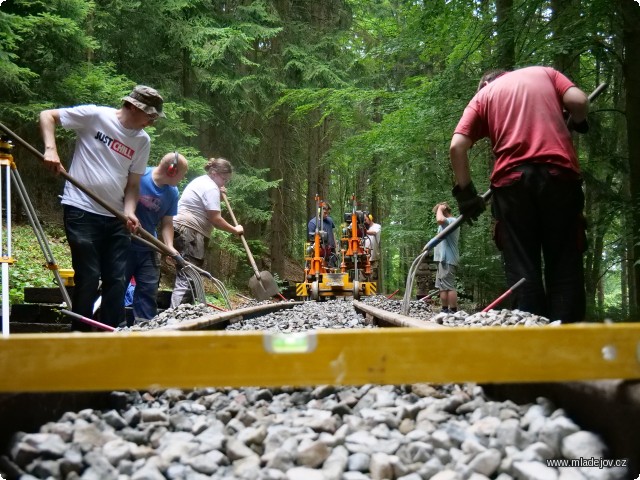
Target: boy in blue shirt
{"points": [[447, 255], [157, 204]]}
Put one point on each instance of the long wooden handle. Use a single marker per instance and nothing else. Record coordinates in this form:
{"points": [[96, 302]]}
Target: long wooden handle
{"points": [[141, 232], [244, 240]]}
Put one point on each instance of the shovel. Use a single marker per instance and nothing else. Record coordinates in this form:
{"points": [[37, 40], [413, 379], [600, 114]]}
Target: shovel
{"points": [[262, 284]]}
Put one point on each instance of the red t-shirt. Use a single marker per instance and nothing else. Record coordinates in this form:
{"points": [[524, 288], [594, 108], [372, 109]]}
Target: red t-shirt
{"points": [[521, 113]]}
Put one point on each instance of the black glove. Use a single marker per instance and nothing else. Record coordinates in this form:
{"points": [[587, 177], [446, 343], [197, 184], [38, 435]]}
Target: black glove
{"points": [[580, 127], [180, 262], [470, 204]]}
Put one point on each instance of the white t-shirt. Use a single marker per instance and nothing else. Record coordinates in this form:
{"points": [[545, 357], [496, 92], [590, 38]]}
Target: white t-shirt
{"points": [[105, 154], [373, 237], [202, 194]]}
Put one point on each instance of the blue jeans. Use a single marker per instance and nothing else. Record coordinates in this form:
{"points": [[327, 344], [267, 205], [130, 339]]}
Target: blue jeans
{"points": [[144, 266], [99, 247]]}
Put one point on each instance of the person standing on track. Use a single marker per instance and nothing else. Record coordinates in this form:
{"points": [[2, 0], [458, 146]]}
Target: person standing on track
{"points": [[111, 154], [158, 204], [372, 241], [536, 183], [198, 212], [447, 255]]}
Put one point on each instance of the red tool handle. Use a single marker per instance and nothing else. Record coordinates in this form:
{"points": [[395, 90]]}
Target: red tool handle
{"points": [[504, 295], [89, 321]]}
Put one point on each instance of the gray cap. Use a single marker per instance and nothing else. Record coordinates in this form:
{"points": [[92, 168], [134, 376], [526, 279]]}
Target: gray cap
{"points": [[146, 99]]}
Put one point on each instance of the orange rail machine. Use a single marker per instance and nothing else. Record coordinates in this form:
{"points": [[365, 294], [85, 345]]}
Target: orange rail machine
{"points": [[324, 276]]}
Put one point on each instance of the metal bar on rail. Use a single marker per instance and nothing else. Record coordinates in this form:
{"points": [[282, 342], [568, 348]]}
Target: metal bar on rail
{"points": [[384, 318], [229, 316]]}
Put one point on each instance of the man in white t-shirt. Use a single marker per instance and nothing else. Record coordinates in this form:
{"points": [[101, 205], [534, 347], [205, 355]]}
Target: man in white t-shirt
{"points": [[111, 154], [198, 212], [372, 241]]}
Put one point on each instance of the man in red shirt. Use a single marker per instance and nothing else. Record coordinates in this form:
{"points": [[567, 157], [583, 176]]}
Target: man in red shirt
{"points": [[536, 183]]}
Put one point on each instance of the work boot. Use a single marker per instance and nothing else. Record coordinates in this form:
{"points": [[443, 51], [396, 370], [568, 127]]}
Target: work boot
{"points": [[445, 310], [453, 310]]}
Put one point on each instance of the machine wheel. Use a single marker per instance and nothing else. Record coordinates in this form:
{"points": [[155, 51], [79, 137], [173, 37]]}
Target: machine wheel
{"points": [[315, 291], [356, 290]]}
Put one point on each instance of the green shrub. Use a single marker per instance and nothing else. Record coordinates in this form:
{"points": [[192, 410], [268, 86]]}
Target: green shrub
{"points": [[30, 267]]}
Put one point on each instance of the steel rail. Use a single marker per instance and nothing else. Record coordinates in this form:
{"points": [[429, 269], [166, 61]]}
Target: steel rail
{"points": [[384, 318], [222, 319]]}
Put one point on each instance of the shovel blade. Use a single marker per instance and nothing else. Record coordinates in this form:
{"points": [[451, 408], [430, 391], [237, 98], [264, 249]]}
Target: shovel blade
{"points": [[264, 287]]}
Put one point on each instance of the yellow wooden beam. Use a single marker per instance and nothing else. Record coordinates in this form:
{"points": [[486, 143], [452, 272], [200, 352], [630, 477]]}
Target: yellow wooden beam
{"points": [[140, 360]]}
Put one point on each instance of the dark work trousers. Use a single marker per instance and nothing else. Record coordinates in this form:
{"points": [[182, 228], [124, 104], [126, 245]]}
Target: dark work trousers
{"points": [[99, 249], [539, 225]]}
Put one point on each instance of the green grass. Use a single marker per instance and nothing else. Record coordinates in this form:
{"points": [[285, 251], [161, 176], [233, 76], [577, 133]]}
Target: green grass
{"points": [[29, 269]]}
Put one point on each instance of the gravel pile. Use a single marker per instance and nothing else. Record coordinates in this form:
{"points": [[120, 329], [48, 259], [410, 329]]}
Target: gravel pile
{"points": [[172, 316], [407, 432], [492, 318]]}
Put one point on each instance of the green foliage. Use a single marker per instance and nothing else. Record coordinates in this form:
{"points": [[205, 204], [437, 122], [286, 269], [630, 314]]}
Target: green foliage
{"points": [[88, 83], [14, 79], [341, 97], [30, 267]]}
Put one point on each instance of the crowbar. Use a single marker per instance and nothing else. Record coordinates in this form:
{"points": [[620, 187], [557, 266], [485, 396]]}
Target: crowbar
{"points": [[504, 295]]}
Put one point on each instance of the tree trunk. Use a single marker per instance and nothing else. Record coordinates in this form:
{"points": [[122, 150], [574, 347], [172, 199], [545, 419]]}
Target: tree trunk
{"points": [[187, 87], [630, 13], [624, 291], [313, 167], [590, 279], [566, 60], [505, 34], [278, 234], [629, 278]]}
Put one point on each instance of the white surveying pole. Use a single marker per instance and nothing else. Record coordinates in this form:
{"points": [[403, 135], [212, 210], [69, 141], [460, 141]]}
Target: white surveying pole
{"points": [[5, 163]]}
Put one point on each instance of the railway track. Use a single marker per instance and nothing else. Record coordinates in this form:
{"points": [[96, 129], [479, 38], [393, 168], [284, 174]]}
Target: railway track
{"points": [[500, 359]]}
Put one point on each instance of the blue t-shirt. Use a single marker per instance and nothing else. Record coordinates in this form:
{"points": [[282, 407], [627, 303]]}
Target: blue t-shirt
{"points": [[154, 203], [327, 226], [447, 250]]}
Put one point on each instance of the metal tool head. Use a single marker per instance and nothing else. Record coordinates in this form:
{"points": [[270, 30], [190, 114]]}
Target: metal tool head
{"points": [[263, 287]]}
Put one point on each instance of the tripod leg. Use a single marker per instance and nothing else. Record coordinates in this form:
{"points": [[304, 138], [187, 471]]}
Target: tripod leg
{"points": [[40, 235]]}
